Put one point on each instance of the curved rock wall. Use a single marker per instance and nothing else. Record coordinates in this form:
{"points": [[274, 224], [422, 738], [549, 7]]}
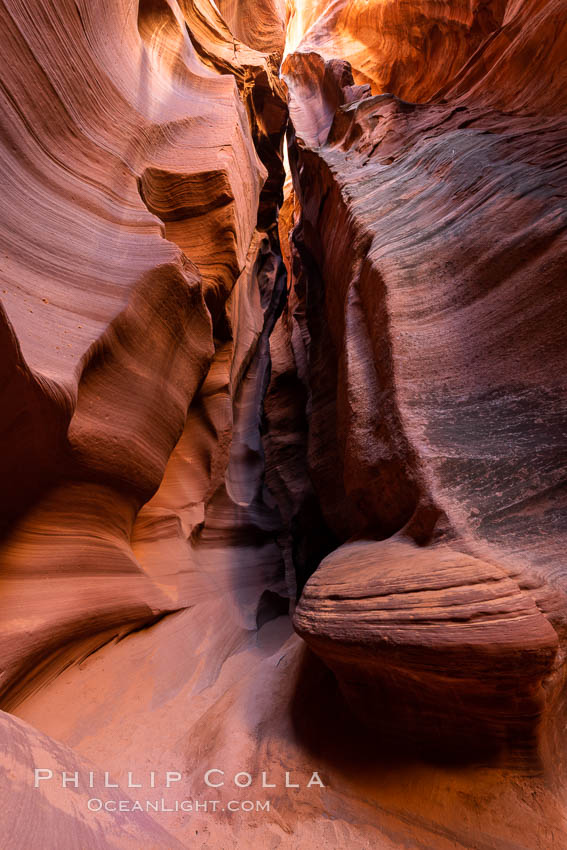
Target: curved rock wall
{"points": [[226, 398], [408, 48], [430, 287], [143, 161]]}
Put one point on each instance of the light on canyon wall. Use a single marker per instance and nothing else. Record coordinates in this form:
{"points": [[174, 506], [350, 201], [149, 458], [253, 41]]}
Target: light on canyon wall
{"points": [[296, 15]]}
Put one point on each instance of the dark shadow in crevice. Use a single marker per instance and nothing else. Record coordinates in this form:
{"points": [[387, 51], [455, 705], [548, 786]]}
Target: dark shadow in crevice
{"points": [[327, 728]]}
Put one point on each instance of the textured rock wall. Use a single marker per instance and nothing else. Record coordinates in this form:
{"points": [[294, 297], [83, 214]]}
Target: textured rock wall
{"points": [[409, 48], [192, 443], [141, 165], [430, 278], [142, 158]]}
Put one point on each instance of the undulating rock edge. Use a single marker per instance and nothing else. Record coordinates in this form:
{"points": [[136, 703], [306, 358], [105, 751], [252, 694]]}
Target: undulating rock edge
{"points": [[286, 452], [424, 234]]}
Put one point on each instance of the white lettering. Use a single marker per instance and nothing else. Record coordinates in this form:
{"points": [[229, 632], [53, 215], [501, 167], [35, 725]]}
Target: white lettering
{"points": [[265, 783], [213, 784], [107, 782], [315, 780], [131, 783], [289, 784], [172, 776], [72, 778], [47, 774]]}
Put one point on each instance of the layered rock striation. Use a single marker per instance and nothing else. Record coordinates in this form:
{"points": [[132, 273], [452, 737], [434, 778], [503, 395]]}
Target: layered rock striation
{"points": [[121, 295], [430, 252], [230, 395]]}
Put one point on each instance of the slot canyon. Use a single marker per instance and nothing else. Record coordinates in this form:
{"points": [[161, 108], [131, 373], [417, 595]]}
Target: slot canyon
{"points": [[283, 417]]}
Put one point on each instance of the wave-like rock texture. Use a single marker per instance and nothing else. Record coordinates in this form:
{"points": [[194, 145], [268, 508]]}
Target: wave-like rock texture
{"points": [[260, 26], [410, 48], [194, 446], [137, 298], [131, 190], [429, 272], [442, 649]]}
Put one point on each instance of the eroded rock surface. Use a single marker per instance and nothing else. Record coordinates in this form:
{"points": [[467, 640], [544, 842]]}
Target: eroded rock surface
{"points": [[440, 648], [429, 232], [116, 294], [225, 396]]}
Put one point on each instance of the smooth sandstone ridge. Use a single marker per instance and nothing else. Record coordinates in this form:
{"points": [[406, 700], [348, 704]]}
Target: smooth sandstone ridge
{"points": [[436, 378], [284, 449]]}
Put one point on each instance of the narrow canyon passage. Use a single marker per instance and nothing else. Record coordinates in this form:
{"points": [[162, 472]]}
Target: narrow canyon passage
{"points": [[284, 430]]}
